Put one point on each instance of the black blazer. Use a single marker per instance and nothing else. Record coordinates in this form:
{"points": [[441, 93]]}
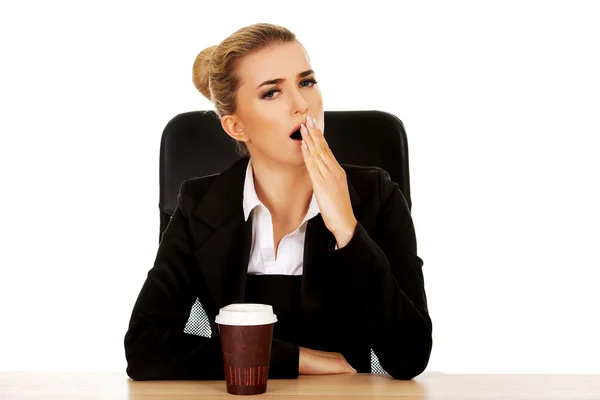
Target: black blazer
{"points": [[369, 294]]}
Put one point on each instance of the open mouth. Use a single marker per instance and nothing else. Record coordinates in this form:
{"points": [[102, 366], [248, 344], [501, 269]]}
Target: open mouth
{"points": [[296, 135]]}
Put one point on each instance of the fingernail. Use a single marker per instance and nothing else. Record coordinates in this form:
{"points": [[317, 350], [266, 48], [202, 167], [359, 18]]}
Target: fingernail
{"points": [[314, 120], [303, 129], [304, 145], [310, 122]]}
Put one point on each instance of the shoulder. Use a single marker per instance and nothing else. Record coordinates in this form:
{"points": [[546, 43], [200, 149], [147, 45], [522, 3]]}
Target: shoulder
{"points": [[197, 187], [193, 190], [360, 174], [370, 182]]}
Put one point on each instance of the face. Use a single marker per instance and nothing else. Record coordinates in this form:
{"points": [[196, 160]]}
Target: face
{"points": [[278, 90]]}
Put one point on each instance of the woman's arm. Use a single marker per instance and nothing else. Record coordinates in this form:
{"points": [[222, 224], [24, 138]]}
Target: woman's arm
{"points": [[155, 345], [384, 277]]}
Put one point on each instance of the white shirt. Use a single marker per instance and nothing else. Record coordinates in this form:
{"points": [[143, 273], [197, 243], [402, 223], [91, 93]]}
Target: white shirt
{"points": [[290, 253]]}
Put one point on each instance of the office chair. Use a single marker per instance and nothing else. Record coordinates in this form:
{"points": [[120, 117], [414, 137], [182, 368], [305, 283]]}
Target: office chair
{"points": [[194, 144]]}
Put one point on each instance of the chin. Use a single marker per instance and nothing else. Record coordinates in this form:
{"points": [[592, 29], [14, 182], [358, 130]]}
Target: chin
{"points": [[284, 155], [288, 160], [294, 161]]}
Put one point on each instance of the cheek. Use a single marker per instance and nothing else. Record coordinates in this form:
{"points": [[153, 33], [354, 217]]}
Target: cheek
{"points": [[316, 100], [266, 120], [267, 116], [259, 115]]}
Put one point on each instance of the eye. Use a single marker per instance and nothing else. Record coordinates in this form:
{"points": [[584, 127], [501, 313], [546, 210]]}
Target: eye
{"points": [[269, 94], [308, 83]]}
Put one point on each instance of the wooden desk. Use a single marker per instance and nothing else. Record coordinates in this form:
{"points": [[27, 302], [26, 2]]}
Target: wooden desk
{"points": [[20, 386]]}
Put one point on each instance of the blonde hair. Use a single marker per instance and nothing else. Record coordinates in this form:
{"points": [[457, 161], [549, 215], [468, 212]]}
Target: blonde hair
{"points": [[214, 70]]}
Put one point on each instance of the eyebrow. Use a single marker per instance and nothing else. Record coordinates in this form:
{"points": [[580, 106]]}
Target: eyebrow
{"points": [[279, 80]]}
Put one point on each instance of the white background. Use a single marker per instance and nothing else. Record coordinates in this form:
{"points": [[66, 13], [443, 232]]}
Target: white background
{"points": [[500, 101]]}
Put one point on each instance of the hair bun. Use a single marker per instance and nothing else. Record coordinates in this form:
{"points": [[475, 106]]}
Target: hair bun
{"points": [[201, 71]]}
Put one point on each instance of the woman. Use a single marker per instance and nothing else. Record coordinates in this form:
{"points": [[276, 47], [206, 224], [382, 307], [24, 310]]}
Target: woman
{"points": [[332, 248]]}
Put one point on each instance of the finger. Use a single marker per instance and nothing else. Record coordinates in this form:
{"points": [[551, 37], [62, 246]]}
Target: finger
{"points": [[308, 139], [310, 162], [311, 150], [320, 145], [321, 160]]}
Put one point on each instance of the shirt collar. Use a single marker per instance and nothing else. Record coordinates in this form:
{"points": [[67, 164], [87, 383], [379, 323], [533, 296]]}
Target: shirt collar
{"points": [[251, 200]]}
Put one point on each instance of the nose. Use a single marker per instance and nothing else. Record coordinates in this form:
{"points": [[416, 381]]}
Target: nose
{"points": [[299, 105]]}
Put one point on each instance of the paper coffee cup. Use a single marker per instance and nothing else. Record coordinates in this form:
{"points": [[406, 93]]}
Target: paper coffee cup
{"points": [[246, 332]]}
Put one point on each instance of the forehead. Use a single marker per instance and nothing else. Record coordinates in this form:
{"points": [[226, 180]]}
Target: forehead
{"points": [[277, 61]]}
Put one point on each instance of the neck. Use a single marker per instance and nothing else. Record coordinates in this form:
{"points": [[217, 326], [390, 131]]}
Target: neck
{"points": [[285, 191]]}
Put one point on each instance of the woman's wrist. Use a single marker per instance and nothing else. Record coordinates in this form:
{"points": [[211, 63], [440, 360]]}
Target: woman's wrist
{"points": [[343, 237]]}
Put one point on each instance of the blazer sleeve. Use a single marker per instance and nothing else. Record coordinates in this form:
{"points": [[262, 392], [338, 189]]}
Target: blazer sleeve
{"points": [[156, 348], [384, 279]]}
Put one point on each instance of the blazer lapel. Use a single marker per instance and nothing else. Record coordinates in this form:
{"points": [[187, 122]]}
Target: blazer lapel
{"points": [[224, 251], [317, 274]]}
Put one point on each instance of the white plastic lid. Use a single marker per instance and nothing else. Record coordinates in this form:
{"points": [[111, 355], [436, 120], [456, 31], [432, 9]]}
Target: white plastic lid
{"points": [[246, 314]]}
